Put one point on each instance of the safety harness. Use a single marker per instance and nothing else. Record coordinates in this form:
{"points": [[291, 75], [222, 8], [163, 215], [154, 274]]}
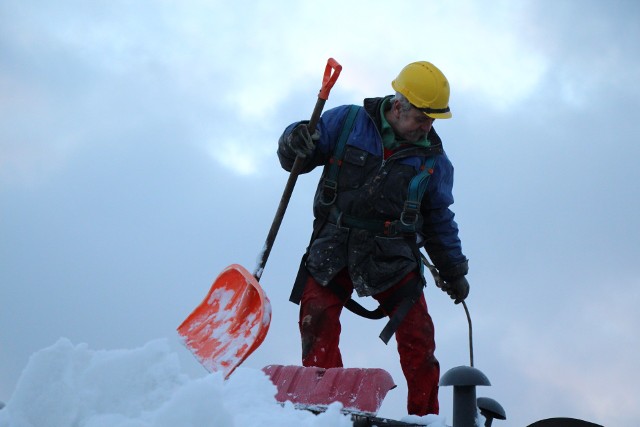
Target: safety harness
{"points": [[408, 224]]}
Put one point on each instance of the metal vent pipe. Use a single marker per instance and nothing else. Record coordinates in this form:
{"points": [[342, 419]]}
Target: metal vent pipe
{"points": [[464, 380]]}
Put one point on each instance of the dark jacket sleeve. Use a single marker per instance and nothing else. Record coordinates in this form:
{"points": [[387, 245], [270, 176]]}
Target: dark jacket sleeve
{"points": [[440, 231]]}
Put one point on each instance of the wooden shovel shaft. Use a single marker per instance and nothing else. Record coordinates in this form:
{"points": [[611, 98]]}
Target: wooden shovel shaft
{"points": [[332, 71], [286, 196]]}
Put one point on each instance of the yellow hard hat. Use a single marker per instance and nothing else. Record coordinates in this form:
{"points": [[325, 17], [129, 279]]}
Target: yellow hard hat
{"points": [[426, 88]]}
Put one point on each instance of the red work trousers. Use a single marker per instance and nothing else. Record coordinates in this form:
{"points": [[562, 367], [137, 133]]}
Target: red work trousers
{"points": [[320, 328]]}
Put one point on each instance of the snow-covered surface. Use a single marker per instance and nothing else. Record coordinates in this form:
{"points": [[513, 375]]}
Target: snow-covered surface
{"points": [[68, 385]]}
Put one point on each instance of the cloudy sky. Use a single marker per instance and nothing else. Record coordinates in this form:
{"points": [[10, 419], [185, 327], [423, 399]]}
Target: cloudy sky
{"points": [[137, 160]]}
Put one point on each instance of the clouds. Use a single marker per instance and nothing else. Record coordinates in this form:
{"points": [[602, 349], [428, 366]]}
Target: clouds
{"points": [[568, 372], [78, 71], [597, 58]]}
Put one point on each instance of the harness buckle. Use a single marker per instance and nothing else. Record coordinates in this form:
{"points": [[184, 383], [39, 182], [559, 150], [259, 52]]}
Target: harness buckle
{"points": [[410, 213], [329, 185]]}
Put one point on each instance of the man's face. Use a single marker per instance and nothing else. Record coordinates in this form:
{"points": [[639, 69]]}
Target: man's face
{"points": [[411, 125]]}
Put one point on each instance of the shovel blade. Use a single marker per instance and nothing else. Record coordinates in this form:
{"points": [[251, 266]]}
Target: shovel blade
{"points": [[360, 390], [230, 323]]}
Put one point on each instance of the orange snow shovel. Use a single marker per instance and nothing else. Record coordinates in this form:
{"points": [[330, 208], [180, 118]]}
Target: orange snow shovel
{"points": [[233, 319]]}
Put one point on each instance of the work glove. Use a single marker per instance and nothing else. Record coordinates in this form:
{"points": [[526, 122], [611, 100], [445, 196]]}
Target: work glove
{"points": [[457, 288], [301, 142]]}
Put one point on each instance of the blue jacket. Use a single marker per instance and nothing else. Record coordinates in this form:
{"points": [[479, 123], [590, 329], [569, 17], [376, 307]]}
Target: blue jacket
{"points": [[373, 190]]}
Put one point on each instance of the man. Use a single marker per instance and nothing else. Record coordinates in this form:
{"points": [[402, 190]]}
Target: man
{"points": [[368, 229]]}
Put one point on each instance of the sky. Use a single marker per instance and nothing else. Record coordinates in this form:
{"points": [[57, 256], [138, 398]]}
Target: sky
{"points": [[137, 161]]}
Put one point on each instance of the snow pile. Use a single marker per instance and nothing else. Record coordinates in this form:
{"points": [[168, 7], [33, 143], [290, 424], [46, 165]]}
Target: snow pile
{"points": [[70, 385]]}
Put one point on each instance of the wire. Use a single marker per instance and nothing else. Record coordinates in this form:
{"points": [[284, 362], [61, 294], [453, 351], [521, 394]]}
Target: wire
{"points": [[439, 282]]}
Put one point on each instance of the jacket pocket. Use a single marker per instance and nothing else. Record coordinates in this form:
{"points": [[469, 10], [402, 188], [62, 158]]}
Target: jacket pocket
{"points": [[392, 257], [380, 264], [352, 171]]}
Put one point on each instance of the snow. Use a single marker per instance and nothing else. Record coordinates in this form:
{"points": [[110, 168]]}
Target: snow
{"points": [[67, 385]]}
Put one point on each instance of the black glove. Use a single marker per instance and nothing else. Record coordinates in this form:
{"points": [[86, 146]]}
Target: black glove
{"points": [[458, 288], [301, 142]]}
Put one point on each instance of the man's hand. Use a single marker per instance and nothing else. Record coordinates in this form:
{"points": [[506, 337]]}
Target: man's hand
{"points": [[458, 288], [301, 142]]}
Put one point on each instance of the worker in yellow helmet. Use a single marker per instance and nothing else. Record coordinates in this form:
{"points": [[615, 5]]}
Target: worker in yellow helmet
{"points": [[426, 88], [384, 194]]}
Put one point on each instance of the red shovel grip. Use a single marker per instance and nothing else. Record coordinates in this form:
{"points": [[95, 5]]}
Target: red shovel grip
{"points": [[331, 73]]}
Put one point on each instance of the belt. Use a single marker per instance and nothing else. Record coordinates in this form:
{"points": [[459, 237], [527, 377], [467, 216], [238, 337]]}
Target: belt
{"points": [[378, 226]]}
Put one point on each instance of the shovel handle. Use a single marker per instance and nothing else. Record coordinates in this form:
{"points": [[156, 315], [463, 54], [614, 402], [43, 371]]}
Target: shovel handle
{"points": [[331, 73]]}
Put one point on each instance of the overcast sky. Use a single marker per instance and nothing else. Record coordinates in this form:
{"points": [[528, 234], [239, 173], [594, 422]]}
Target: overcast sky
{"points": [[137, 161]]}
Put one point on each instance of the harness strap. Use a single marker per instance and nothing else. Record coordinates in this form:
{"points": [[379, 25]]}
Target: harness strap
{"points": [[410, 219], [403, 299], [407, 296], [378, 226], [417, 187], [358, 309], [354, 306], [330, 182]]}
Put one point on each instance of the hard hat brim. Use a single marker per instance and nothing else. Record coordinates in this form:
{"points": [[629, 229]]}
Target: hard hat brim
{"points": [[439, 116]]}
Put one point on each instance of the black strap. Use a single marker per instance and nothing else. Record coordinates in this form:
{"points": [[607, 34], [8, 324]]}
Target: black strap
{"points": [[378, 226], [433, 110], [358, 309], [403, 299], [354, 306], [394, 322]]}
